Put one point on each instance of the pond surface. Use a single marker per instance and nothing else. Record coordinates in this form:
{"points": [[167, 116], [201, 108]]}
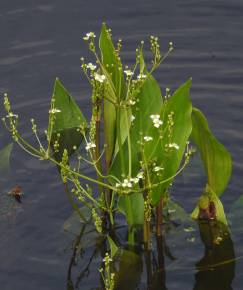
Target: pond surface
{"points": [[41, 40]]}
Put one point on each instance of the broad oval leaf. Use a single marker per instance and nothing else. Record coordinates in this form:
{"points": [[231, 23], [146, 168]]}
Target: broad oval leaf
{"points": [[132, 207], [67, 121], [149, 101], [170, 158], [216, 159], [112, 69]]}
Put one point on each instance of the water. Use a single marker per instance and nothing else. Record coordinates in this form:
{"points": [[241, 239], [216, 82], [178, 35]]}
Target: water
{"points": [[41, 40]]}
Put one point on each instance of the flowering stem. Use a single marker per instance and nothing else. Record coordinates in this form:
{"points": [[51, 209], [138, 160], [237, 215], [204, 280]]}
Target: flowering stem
{"points": [[118, 123], [129, 147], [97, 142]]}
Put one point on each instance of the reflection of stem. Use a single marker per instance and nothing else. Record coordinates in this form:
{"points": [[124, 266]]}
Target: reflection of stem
{"points": [[160, 273], [85, 270], [159, 217], [73, 258], [147, 238], [148, 269]]}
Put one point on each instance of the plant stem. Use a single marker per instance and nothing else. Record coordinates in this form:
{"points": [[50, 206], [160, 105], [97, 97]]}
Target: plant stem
{"points": [[97, 142], [159, 217], [118, 128]]}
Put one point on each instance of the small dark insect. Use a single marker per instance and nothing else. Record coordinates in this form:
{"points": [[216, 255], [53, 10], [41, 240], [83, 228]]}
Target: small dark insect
{"points": [[17, 193]]}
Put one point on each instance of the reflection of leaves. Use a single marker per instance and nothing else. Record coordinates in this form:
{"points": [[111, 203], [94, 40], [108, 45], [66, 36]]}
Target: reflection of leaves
{"points": [[176, 212], [74, 223], [217, 268], [4, 158], [128, 270]]}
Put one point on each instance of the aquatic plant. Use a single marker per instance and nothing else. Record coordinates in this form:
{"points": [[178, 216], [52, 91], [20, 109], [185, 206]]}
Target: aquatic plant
{"points": [[137, 141]]}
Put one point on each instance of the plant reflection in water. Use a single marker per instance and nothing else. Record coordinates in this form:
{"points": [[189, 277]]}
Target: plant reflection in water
{"points": [[131, 264]]}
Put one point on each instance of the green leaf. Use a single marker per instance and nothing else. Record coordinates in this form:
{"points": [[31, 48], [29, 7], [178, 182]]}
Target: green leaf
{"points": [[112, 68], [203, 211], [132, 207], [149, 101], [67, 121], [5, 158], [111, 61], [170, 159], [113, 247], [216, 159]]}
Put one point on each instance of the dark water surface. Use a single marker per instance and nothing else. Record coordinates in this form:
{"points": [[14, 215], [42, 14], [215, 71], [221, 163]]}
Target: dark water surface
{"points": [[41, 40]]}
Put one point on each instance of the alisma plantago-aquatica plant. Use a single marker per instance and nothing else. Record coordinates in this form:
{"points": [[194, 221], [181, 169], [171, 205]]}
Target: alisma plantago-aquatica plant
{"points": [[137, 140]]}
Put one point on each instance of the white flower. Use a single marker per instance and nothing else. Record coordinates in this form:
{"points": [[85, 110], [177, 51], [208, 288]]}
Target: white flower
{"points": [[11, 115], [107, 259], [118, 184], [158, 168], [147, 138], [140, 175], [89, 35], [132, 102], [157, 123], [134, 180], [91, 66], [132, 118], [126, 183], [128, 72], [156, 120], [99, 78], [154, 117], [54, 111], [173, 145], [89, 146], [141, 76]]}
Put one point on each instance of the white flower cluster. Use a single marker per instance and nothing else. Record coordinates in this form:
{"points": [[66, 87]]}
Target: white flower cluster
{"points": [[89, 35], [141, 76], [99, 78], [132, 102], [89, 146], [128, 182], [128, 73], [158, 168], [148, 138], [91, 66], [156, 120]]}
